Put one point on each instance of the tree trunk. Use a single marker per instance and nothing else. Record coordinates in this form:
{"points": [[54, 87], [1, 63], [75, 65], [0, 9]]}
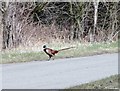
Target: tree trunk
{"points": [[96, 3], [10, 24]]}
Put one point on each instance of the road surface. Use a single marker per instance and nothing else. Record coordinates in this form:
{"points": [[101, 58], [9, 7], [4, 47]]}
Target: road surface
{"points": [[58, 73]]}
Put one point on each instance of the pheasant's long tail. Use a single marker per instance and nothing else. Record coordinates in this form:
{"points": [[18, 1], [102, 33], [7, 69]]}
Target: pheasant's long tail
{"points": [[65, 48]]}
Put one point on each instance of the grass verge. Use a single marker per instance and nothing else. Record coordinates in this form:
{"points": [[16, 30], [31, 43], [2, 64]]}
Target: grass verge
{"points": [[106, 83], [87, 49]]}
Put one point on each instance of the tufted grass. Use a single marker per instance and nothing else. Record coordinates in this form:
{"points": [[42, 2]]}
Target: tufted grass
{"points": [[105, 83], [36, 54]]}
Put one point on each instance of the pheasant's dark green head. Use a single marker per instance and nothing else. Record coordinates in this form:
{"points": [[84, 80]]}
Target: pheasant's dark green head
{"points": [[44, 46]]}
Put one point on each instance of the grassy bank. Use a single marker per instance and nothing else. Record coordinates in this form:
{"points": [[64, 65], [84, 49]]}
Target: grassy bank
{"points": [[106, 83], [36, 53]]}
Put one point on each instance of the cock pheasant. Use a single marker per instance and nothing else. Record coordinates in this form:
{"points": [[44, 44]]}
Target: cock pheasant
{"points": [[51, 53]]}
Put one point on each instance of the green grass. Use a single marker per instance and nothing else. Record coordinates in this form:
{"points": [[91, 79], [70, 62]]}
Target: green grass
{"points": [[30, 54], [106, 83]]}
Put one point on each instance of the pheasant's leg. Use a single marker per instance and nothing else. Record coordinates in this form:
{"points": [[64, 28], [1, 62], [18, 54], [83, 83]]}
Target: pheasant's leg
{"points": [[53, 57], [49, 58]]}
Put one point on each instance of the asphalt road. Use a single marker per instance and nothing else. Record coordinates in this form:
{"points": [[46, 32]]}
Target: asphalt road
{"points": [[58, 73]]}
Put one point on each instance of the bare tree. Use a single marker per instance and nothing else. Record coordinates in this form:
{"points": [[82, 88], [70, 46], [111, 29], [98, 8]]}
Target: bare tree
{"points": [[96, 3], [66, 21]]}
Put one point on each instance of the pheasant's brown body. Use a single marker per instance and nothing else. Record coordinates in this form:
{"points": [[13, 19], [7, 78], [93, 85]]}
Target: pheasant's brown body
{"points": [[50, 51]]}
